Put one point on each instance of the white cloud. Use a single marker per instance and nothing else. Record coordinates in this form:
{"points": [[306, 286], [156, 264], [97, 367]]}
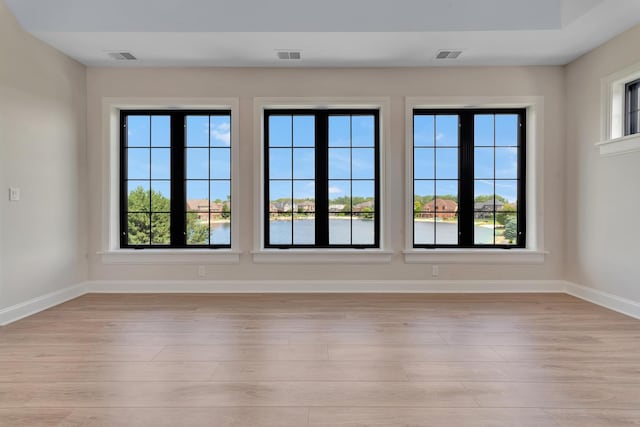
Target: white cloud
{"points": [[439, 136], [335, 190], [224, 126], [222, 133]]}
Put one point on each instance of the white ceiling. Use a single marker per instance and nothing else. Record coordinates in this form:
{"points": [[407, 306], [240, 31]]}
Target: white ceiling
{"points": [[331, 33]]}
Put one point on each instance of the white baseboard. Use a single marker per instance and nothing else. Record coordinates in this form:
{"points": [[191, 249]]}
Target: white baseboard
{"points": [[327, 286], [35, 305], [604, 299]]}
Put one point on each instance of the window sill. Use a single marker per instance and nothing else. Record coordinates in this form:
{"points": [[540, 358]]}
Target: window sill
{"points": [[322, 256], [625, 144], [474, 256], [171, 256]]}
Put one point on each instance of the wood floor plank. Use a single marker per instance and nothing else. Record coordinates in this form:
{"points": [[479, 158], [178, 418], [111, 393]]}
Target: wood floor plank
{"points": [[560, 371], [425, 353], [555, 395], [607, 372], [455, 371], [33, 417], [365, 338], [52, 372], [595, 417], [191, 417], [177, 326], [77, 353], [627, 352], [309, 371], [539, 338], [421, 417], [221, 394], [314, 325], [147, 338], [12, 395], [242, 352], [60, 327]]}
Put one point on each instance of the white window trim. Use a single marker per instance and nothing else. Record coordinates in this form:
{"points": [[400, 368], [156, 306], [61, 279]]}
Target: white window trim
{"points": [[534, 252], [613, 140], [110, 252], [320, 255]]}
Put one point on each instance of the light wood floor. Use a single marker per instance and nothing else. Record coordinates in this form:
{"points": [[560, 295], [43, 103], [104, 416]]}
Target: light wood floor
{"points": [[321, 360]]}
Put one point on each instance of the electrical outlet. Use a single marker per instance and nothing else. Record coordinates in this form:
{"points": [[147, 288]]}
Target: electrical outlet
{"points": [[435, 270], [201, 271]]}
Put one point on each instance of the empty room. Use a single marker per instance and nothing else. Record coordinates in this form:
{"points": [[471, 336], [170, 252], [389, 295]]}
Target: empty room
{"points": [[319, 214]]}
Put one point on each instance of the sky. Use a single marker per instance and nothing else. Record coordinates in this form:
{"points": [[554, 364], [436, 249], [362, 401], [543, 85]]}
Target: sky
{"points": [[292, 156], [495, 155], [208, 155], [351, 155]]}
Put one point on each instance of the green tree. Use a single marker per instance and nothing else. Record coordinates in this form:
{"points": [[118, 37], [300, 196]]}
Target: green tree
{"points": [[511, 230], [144, 228], [197, 230], [226, 212], [489, 197], [366, 213], [417, 208], [503, 216], [447, 197]]}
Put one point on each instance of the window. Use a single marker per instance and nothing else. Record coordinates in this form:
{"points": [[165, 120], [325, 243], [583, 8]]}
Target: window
{"points": [[175, 187], [321, 179], [469, 178], [632, 107], [620, 113]]}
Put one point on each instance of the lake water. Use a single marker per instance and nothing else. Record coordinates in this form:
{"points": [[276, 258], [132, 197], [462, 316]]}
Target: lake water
{"points": [[446, 233], [340, 231]]}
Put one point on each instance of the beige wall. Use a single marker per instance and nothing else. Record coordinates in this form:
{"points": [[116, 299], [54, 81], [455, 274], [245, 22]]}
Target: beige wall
{"points": [[395, 83], [42, 151], [603, 203]]}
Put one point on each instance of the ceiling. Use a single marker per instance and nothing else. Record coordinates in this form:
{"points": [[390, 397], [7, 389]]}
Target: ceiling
{"points": [[330, 33]]}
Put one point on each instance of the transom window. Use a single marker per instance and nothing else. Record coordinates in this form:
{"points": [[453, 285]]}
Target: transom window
{"points": [[632, 107], [468, 178], [321, 179], [175, 179]]}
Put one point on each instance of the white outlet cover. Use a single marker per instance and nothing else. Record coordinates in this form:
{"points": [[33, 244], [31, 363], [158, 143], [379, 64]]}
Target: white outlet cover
{"points": [[14, 194], [201, 271], [435, 271]]}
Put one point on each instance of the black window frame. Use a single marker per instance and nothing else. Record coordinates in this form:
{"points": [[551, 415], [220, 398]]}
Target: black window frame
{"points": [[178, 178], [466, 210], [631, 106], [322, 176]]}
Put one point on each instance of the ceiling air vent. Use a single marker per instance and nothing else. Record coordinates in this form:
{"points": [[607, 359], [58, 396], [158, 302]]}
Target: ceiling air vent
{"points": [[448, 54], [289, 54], [122, 56]]}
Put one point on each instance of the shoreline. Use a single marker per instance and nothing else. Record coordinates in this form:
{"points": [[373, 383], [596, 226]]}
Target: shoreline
{"points": [[312, 218], [442, 221]]}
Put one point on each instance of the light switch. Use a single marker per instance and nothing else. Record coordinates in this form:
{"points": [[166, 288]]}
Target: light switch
{"points": [[14, 194]]}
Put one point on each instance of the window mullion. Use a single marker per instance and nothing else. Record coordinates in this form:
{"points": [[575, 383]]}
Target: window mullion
{"points": [[322, 179], [178, 179], [466, 174]]}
